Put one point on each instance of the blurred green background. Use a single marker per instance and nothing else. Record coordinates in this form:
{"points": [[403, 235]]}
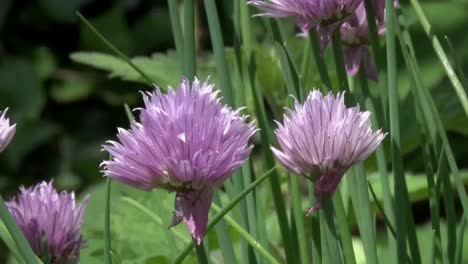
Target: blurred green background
{"points": [[66, 103]]}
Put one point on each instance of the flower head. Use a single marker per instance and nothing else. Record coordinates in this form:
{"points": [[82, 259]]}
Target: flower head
{"points": [[50, 221], [187, 142], [325, 15], [7, 131], [356, 38], [322, 138]]}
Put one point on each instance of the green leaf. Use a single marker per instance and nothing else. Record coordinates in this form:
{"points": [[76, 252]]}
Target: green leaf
{"points": [[71, 89], [163, 69]]}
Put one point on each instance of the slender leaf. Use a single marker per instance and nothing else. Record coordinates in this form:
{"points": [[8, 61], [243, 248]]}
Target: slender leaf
{"points": [[17, 235], [461, 93], [190, 64]]}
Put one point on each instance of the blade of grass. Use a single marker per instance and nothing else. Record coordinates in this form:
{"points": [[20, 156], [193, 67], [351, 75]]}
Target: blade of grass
{"points": [[449, 202], [343, 227], [250, 206], [305, 65], [364, 217], [398, 170], [253, 204], [457, 85], [434, 198], [381, 160], [190, 65], [325, 251], [10, 243], [381, 210], [107, 239], [461, 239], [339, 62], [299, 219], [115, 50], [387, 220], [332, 239], [226, 209], [315, 223], [379, 58], [424, 96], [218, 49], [319, 61], [176, 29], [374, 35], [265, 131], [17, 235], [245, 234], [456, 60]]}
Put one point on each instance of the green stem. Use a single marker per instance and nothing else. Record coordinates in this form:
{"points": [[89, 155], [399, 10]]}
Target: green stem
{"points": [[374, 35], [330, 228], [176, 29], [201, 252], [343, 227], [218, 49], [315, 219], [381, 160], [190, 66], [319, 61], [17, 235], [107, 239], [399, 182], [365, 217], [299, 219], [339, 61]]}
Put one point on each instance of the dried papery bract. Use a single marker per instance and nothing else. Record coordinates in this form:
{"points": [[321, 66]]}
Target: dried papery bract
{"points": [[7, 131], [51, 222], [323, 138], [186, 141]]}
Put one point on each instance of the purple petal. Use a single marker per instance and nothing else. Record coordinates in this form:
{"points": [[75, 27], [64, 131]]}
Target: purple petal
{"points": [[192, 207]]}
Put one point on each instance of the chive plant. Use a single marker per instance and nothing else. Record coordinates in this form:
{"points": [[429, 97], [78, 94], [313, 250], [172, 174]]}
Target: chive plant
{"points": [[317, 154]]}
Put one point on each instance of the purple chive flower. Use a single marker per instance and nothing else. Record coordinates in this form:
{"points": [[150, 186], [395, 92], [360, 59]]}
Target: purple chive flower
{"points": [[325, 15], [7, 131], [322, 139], [356, 39], [50, 221], [186, 142]]}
